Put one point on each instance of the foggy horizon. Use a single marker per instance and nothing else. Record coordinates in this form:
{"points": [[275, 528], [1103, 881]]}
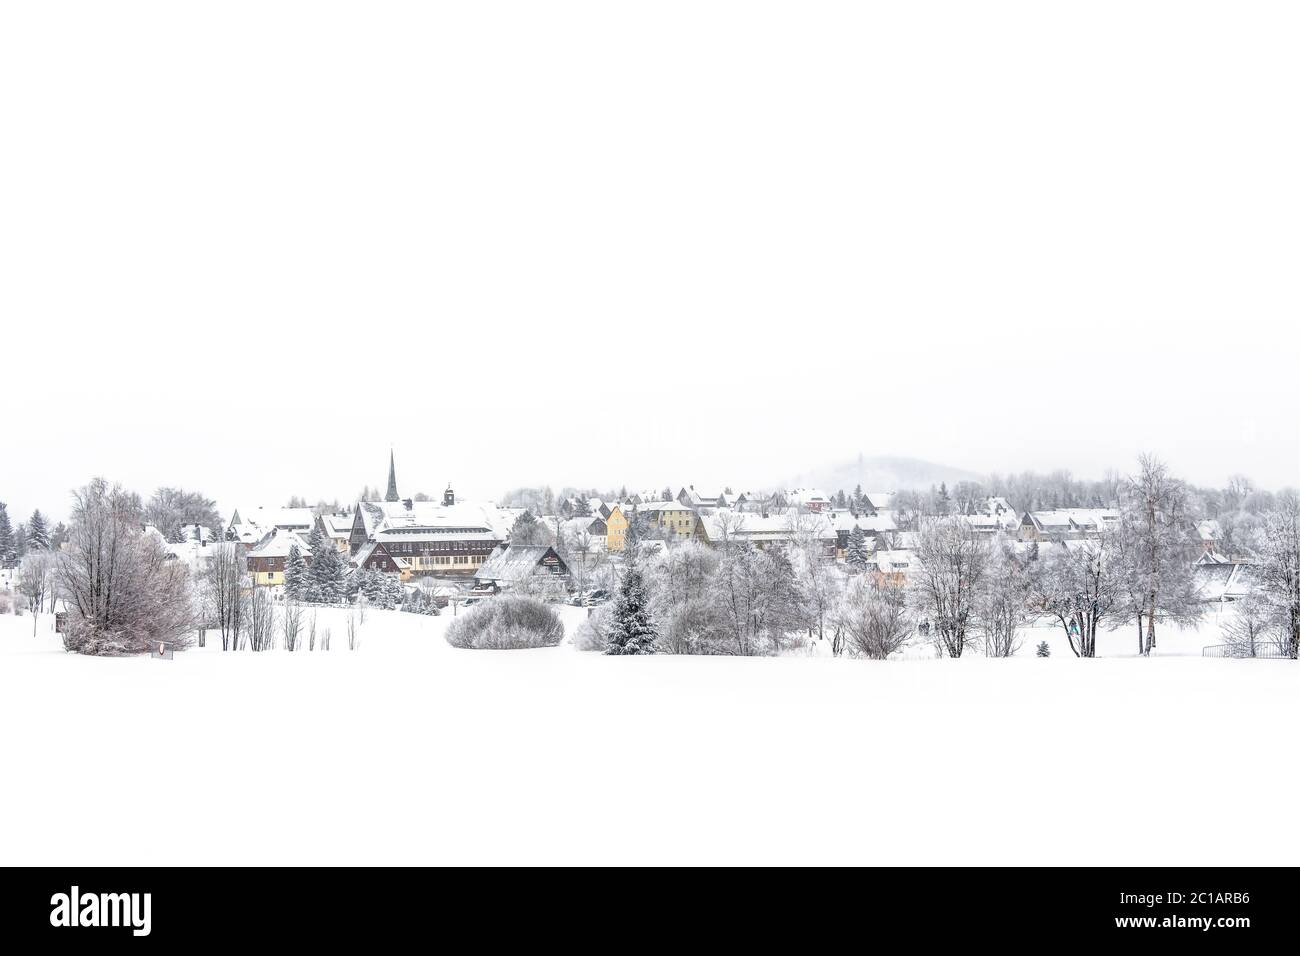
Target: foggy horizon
{"points": [[522, 257]]}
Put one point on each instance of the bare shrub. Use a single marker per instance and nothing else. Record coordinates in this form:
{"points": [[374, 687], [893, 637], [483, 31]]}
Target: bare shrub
{"points": [[873, 619], [291, 626]]}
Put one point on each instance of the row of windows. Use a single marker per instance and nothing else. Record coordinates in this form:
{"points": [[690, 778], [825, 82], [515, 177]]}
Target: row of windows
{"points": [[414, 547], [444, 560]]}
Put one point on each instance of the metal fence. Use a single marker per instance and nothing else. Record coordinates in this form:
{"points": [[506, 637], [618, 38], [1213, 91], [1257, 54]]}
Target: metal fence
{"points": [[1261, 650]]}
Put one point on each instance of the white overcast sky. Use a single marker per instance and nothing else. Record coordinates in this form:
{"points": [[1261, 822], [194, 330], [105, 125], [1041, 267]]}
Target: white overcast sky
{"points": [[246, 246]]}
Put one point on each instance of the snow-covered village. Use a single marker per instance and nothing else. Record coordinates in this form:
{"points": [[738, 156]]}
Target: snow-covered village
{"points": [[1027, 607], [721, 433]]}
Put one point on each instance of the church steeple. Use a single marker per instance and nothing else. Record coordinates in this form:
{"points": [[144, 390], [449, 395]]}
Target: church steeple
{"points": [[392, 479]]}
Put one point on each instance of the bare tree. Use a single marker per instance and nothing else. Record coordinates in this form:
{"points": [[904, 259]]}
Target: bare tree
{"points": [[35, 582], [1001, 607], [1249, 623], [259, 620], [953, 561], [1277, 569], [291, 625], [222, 583], [1155, 520], [1079, 584]]}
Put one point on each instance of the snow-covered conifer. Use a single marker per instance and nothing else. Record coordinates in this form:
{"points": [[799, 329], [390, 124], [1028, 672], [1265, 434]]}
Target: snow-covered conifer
{"points": [[631, 630], [295, 574], [857, 555], [38, 535]]}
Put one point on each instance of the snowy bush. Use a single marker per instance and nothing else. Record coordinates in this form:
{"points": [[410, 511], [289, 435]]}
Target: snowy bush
{"points": [[1044, 650], [590, 635], [507, 622]]}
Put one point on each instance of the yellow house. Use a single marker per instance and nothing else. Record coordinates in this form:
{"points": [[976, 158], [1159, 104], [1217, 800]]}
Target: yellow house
{"points": [[616, 525], [679, 520], [266, 561]]}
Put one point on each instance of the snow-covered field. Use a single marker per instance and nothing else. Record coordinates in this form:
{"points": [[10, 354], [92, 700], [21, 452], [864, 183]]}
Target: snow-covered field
{"points": [[409, 751]]}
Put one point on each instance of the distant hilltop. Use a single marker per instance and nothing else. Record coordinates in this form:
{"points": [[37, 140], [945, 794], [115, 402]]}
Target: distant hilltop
{"points": [[881, 473]]}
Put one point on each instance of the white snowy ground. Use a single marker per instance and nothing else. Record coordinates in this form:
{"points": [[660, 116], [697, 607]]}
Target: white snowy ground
{"points": [[408, 751]]}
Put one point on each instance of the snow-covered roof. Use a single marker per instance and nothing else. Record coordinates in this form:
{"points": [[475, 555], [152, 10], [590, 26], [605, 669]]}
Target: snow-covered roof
{"points": [[1083, 519], [899, 560], [1229, 581], [808, 496], [880, 499], [249, 534], [278, 545], [880, 521], [392, 516], [337, 525], [509, 564], [653, 506], [746, 526], [291, 518]]}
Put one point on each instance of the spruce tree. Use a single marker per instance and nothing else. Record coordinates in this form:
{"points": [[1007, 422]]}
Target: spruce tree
{"points": [[8, 547], [857, 555], [295, 574], [38, 536], [630, 629], [327, 571]]}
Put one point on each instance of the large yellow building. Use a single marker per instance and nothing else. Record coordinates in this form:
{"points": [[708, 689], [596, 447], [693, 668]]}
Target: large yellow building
{"points": [[675, 520]]}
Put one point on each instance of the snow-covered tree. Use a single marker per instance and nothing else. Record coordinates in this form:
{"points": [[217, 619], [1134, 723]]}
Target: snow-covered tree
{"points": [[1156, 539], [759, 599], [630, 629], [295, 575], [953, 561], [221, 586], [857, 555], [327, 572], [35, 582], [8, 547], [38, 535], [1080, 587], [1277, 570], [169, 508], [528, 531], [1249, 625], [1002, 604], [124, 595]]}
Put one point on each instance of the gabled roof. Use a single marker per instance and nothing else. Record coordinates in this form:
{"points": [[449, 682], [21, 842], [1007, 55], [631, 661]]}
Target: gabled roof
{"points": [[881, 521], [511, 564], [278, 545], [290, 518], [413, 516]]}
